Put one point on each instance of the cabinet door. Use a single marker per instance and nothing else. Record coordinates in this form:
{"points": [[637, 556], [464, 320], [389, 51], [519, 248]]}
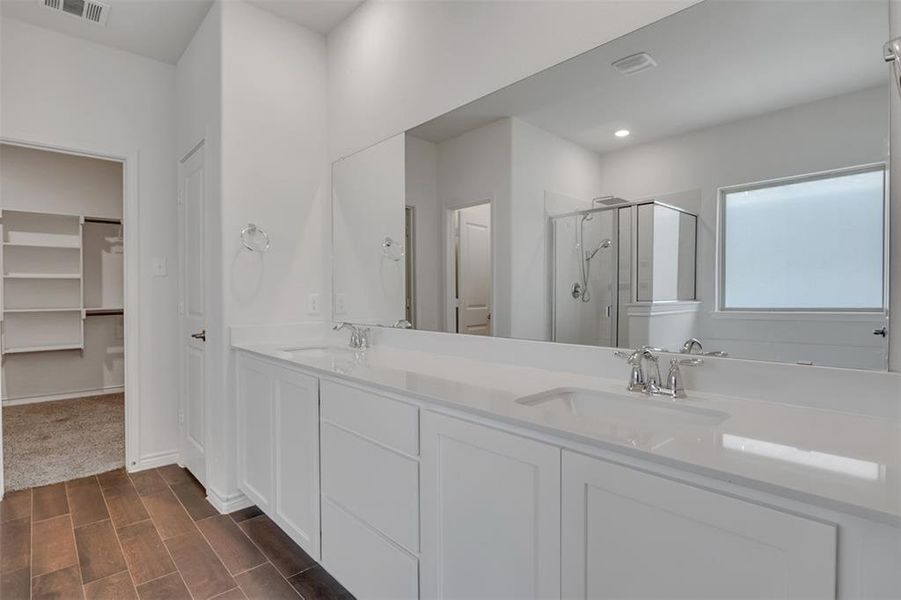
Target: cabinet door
{"points": [[296, 426], [629, 534], [254, 428], [490, 513]]}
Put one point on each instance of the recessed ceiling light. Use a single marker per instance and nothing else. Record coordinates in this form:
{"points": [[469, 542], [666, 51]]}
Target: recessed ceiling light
{"points": [[621, 133]]}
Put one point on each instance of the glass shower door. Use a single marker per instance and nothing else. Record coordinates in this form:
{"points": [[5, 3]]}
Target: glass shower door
{"points": [[584, 278]]}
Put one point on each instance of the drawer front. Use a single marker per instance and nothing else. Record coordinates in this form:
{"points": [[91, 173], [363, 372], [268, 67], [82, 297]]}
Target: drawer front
{"points": [[387, 421], [377, 485], [367, 564]]}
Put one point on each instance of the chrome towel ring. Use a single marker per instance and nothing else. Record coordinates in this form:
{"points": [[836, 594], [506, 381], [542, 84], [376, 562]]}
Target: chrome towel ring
{"points": [[255, 238]]}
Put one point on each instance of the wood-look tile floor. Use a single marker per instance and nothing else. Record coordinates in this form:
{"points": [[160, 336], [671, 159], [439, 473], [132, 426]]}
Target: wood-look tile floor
{"points": [[149, 535]]}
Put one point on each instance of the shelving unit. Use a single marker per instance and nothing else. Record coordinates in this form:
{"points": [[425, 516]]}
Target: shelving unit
{"points": [[43, 285]]}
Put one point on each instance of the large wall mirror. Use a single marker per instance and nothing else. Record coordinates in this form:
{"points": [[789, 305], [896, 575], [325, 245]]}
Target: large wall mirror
{"points": [[713, 183]]}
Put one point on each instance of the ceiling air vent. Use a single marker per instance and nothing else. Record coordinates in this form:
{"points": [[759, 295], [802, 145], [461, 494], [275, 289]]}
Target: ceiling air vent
{"points": [[89, 10], [635, 63]]}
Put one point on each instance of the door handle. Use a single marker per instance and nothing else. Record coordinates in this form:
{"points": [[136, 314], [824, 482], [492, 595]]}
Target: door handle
{"points": [[199, 336], [883, 332]]}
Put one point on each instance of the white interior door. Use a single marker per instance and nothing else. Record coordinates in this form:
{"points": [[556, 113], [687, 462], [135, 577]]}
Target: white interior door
{"points": [[474, 270], [192, 200]]}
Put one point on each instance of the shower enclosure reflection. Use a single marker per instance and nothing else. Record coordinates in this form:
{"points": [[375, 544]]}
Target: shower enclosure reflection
{"points": [[624, 276]]}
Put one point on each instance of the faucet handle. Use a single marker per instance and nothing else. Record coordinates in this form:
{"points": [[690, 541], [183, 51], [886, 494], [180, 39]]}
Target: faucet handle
{"points": [[688, 362]]}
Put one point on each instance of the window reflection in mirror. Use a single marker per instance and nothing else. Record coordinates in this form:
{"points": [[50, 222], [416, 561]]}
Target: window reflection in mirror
{"points": [[732, 191]]}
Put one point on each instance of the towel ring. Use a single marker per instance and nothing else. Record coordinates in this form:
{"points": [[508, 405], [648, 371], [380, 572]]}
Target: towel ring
{"points": [[392, 249], [254, 238]]}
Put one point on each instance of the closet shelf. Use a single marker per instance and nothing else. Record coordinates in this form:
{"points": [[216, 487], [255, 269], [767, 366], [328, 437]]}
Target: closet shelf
{"points": [[42, 276], [40, 310], [90, 312], [24, 349], [36, 244]]}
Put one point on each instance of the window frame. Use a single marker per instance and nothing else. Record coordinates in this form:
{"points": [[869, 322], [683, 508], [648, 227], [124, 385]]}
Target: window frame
{"points": [[720, 284]]}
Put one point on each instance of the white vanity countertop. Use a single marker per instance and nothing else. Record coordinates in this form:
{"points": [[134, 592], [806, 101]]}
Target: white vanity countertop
{"points": [[838, 460]]}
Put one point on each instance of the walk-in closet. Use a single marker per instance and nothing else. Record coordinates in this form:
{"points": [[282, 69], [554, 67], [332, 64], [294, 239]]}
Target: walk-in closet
{"points": [[62, 306]]}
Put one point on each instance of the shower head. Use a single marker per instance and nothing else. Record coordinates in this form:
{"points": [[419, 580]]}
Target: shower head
{"points": [[608, 201], [606, 243]]}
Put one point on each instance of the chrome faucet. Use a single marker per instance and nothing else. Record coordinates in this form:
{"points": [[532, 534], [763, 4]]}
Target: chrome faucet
{"points": [[694, 346], [648, 381], [359, 336]]}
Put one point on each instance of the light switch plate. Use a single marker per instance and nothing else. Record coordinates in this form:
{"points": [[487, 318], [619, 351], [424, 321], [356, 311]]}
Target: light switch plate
{"points": [[159, 266], [340, 307], [313, 304]]}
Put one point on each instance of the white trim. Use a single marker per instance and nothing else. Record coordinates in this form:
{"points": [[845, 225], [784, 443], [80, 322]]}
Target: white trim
{"points": [[227, 504], [675, 307], [152, 461], [835, 317], [116, 389], [130, 159]]}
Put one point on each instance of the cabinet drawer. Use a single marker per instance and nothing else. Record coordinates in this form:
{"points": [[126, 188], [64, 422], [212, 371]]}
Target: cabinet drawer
{"points": [[377, 485], [367, 564], [387, 421]]}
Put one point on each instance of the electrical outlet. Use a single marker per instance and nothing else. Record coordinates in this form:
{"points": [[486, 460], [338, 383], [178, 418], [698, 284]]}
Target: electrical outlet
{"points": [[313, 304], [340, 305]]}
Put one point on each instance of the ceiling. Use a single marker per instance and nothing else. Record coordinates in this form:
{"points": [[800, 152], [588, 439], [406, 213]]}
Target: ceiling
{"points": [[318, 15], [718, 61], [162, 29]]}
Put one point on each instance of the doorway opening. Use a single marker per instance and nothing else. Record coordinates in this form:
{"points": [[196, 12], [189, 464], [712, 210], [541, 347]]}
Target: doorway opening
{"points": [[472, 269], [62, 300]]}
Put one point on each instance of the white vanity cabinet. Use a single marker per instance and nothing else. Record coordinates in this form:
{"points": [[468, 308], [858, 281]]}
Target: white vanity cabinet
{"points": [[629, 534], [490, 513], [278, 446], [370, 492]]}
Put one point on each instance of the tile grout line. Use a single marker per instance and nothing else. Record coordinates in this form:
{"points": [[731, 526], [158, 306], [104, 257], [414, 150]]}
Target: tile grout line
{"points": [[162, 541], [116, 531], [31, 543], [74, 539], [203, 536], [266, 556]]}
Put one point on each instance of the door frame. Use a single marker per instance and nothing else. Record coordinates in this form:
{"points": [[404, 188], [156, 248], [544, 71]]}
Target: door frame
{"points": [[128, 157], [450, 264]]}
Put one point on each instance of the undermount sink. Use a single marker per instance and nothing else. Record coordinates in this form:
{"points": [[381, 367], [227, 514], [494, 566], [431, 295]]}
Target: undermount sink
{"points": [[605, 406], [315, 351]]}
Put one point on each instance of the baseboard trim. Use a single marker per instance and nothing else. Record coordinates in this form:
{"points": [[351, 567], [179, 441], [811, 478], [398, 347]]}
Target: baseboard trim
{"points": [[227, 503], [67, 396], [152, 461]]}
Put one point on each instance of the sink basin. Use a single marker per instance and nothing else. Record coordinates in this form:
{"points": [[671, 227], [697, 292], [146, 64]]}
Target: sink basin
{"points": [[628, 408], [316, 352]]}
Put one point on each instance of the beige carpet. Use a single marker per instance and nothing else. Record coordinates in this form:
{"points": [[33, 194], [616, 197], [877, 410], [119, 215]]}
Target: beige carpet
{"points": [[49, 442]]}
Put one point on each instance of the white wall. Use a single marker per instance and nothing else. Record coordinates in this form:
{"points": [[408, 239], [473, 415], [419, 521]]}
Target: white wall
{"points": [[36, 180], [834, 133], [421, 175], [542, 163], [254, 85], [67, 92], [394, 65], [275, 168], [368, 208], [474, 168], [59, 183]]}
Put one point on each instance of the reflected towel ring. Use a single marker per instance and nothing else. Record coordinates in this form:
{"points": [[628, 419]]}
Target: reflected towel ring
{"points": [[392, 249], [254, 238]]}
